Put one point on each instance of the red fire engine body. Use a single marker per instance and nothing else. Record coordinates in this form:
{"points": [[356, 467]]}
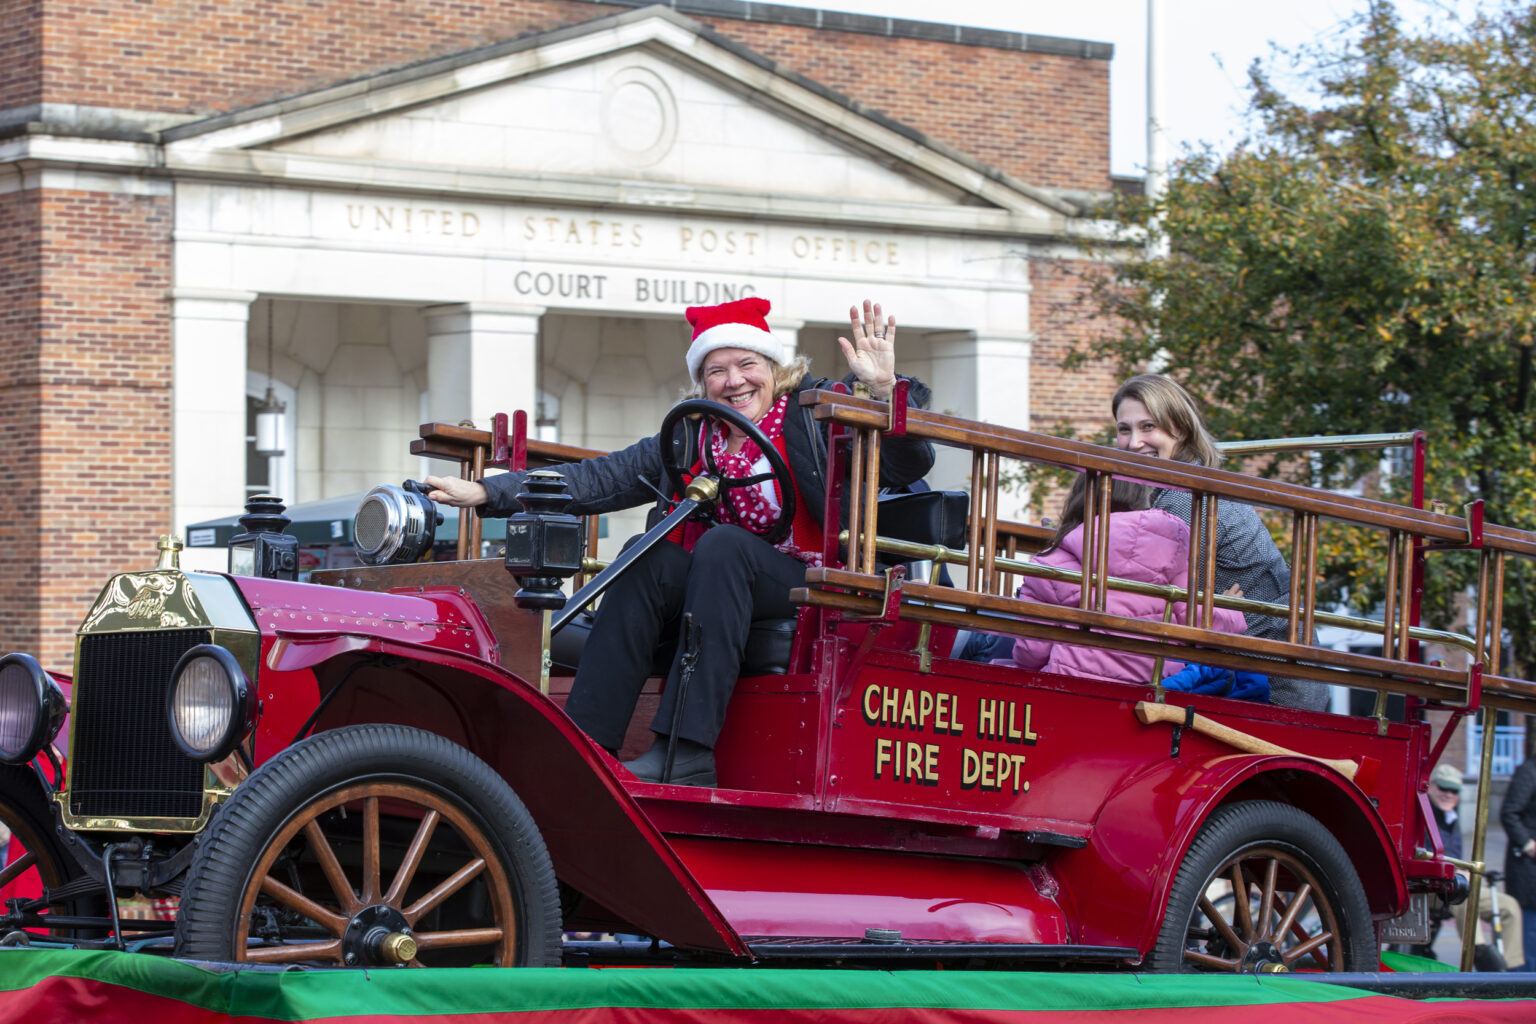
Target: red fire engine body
{"points": [[405, 788]]}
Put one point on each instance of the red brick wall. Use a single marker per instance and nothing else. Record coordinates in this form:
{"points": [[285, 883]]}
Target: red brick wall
{"points": [[20, 217], [20, 52], [1062, 320], [95, 396], [195, 56], [1042, 118]]}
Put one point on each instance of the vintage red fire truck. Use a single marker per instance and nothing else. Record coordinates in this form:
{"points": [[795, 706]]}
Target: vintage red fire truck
{"points": [[373, 768]]}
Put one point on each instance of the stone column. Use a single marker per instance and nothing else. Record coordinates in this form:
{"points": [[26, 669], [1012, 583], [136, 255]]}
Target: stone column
{"points": [[983, 375], [787, 331], [208, 410], [481, 359]]}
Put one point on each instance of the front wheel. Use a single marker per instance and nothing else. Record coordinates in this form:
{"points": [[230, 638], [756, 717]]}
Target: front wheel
{"points": [[33, 862], [1265, 887], [372, 846]]}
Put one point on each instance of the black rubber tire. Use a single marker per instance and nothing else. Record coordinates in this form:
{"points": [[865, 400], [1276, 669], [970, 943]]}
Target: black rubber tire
{"points": [[1262, 829], [24, 809], [319, 768], [1486, 959]]}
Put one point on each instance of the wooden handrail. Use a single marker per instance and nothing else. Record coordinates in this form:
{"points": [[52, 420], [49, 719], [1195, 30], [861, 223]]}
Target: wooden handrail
{"points": [[1402, 527], [451, 442], [1069, 454]]}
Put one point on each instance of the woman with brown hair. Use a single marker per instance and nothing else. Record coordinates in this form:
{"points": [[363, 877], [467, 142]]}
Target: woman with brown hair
{"points": [[1155, 416]]}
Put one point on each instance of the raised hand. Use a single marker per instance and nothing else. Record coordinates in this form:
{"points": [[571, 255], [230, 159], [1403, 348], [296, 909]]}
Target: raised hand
{"points": [[871, 354]]}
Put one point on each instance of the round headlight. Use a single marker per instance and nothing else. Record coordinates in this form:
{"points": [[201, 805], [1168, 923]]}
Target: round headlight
{"points": [[393, 525], [210, 704], [32, 708]]}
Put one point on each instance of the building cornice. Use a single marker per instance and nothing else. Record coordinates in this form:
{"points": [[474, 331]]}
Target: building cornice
{"points": [[877, 25]]}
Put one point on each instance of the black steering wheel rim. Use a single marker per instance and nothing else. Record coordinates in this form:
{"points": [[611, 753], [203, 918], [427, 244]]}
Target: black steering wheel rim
{"points": [[695, 408]]}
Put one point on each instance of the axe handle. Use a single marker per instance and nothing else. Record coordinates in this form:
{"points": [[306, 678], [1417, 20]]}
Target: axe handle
{"points": [[1147, 713]]}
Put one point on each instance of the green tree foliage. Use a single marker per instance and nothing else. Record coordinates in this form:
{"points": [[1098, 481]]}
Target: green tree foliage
{"points": [[1365, 262]]}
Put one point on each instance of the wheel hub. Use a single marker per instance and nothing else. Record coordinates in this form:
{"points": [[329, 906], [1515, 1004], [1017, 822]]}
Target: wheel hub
{"points": [[1264, 958], [378, 936]]}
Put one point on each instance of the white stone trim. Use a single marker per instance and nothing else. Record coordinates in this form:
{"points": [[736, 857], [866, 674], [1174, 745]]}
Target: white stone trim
{"points": [[208, 332], [482, 358]]}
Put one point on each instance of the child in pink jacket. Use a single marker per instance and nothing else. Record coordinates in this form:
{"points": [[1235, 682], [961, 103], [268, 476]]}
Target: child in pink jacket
{"points": [[1145, 544]]}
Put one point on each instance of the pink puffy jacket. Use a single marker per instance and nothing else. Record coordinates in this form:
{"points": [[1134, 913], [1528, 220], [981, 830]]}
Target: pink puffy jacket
{"points": [[1151, 546]]}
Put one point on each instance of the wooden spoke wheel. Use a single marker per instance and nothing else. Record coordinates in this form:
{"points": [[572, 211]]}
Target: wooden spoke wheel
{"points": [[1266, 888], [372, 846], [34, 861]]}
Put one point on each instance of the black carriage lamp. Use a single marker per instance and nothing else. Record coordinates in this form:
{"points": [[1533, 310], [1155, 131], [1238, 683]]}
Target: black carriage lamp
{"points": [[545, 544], [264, 549], [270, 414]]}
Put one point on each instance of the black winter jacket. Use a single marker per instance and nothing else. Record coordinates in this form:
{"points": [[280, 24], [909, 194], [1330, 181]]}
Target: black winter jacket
{"points": [[1518, 816], [611, 482]]}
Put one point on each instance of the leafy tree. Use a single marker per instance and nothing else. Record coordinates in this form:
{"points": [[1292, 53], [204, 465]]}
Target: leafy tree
{"points": [[1364, 262]]}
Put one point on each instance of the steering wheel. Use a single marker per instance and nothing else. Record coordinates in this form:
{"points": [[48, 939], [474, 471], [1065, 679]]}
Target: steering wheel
{"points": [[699, 408]]}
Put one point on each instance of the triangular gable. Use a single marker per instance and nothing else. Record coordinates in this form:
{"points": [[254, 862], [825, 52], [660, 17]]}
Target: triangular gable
{"points": [[646, 101]]}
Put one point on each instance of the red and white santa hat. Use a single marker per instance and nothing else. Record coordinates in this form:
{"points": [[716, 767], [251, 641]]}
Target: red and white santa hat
{"points": [[739, 324]]}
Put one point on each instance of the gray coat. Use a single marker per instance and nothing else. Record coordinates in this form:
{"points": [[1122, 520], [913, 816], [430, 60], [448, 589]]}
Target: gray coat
{"points": [[1246, 555]]}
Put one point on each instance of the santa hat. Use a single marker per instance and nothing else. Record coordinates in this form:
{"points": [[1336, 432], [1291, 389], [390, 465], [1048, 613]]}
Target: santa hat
{"points": [[738, 324]]}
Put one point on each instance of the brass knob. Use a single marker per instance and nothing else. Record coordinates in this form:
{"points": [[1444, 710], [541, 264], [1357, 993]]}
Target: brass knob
{"points": [[703, 489], [1273, 967], [398, 948], [169, 548]]}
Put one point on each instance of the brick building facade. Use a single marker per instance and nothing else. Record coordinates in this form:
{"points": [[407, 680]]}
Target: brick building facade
{"points": [[400, 211]]}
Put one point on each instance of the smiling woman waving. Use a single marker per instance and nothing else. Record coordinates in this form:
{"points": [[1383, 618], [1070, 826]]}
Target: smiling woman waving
{"points": [[740, 564]]}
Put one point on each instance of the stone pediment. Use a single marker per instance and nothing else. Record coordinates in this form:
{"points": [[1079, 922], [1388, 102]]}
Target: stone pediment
{"points": [[634, 115], [640, 108]]}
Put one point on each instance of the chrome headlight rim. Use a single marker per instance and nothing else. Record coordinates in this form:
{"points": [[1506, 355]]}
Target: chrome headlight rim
{"points": [[410, 524], [47, 703], [242, 703]]}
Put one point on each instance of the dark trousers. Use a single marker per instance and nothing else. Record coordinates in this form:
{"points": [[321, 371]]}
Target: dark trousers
{"points": [[730, 578]]}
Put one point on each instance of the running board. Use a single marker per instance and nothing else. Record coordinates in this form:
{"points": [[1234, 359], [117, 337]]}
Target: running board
{"points": [[817, 948]]}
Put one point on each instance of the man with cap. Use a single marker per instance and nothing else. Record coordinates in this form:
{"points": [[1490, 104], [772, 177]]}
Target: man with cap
{"points": [[1445, 800], [725, 575]]}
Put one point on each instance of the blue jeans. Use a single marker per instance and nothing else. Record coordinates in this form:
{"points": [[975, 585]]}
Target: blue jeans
{"points": [[984, 647], [1528, 930]]}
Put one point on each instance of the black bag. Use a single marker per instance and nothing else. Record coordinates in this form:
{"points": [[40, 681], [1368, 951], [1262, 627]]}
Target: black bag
{"points": [[925, 517]]}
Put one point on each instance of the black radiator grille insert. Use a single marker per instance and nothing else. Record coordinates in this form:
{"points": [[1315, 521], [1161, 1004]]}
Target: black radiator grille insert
{"points": [[125, 763]]}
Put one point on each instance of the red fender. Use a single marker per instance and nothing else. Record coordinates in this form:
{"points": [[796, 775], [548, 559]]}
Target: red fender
{"points": [[1117, 888], [598, 839]]}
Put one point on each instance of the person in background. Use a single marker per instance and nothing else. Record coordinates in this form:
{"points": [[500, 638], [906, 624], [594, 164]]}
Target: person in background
{"points": [[1155, 416], [1145, 544], [1445, 800], [1518, 816]]}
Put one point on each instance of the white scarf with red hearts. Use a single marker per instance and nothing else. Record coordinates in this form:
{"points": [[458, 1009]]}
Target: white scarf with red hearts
{"points": [[756, 507]]}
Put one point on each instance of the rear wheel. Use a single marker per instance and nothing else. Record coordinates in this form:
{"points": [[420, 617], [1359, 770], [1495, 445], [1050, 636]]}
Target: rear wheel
{"points": [[35, 860], [1265, 887], [372, 846]]}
